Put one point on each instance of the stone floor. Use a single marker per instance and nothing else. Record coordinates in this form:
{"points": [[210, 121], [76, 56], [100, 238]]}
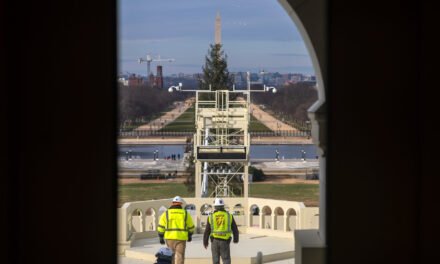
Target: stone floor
{"points": [[124, 260], [249, 246]]}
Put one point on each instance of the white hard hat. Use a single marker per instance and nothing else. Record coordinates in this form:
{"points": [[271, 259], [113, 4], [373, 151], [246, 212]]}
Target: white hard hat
{"points": [[177, 199], [219, 202]]}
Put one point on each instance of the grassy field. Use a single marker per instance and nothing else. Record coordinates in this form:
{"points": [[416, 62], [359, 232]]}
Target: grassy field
{"points": [[257, 126], [307, 193], [148, 191], [184, 123]]}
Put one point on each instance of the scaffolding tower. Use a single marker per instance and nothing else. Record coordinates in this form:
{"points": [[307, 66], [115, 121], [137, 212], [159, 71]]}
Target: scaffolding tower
{"points": [[221, 143]]}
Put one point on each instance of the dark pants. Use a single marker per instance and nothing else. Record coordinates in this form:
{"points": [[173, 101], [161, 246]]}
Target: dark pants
{"points": [[220, 248]]}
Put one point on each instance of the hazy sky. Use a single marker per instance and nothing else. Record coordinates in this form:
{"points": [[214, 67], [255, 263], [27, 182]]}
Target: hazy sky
{"points": [[256, 34]]}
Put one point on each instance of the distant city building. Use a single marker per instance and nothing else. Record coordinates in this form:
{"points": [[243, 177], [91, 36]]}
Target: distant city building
{"points": [[191, 81], [296, 77], [151, 79], [159, 77], [238, 80], [134, 81]]}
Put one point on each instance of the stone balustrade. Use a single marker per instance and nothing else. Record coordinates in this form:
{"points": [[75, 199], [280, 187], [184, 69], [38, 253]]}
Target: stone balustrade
{"points": [[253, 215]]}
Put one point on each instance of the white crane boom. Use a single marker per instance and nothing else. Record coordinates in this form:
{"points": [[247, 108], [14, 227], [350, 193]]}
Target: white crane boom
{"points": [[150, 59]]}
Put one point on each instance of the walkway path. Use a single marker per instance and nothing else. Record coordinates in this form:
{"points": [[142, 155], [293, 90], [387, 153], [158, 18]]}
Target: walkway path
{"points": [[249, 245], [268, 120], [125, 260], [168, 117]]}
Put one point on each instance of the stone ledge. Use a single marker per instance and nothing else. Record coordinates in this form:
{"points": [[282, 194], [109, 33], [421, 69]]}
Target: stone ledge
{"points": [[309, 248]]}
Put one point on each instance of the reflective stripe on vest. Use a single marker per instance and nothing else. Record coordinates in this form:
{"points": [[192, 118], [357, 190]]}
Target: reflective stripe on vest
{"points": [[172, 230], [219, 227], [176, 229]]}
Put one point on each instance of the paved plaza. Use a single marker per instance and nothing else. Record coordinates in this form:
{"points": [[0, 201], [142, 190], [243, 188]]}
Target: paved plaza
{"points": [[282, 249], [134, 167]]}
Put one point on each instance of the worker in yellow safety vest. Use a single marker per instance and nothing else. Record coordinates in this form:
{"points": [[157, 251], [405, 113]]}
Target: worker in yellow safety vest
{"points": [[176, 227], [220, 228]]}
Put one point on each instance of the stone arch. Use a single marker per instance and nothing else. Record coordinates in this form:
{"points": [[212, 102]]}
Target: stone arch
{"points": [[135, 221], [254, 216], [192, 210], [205, 210], [161, 210], [150, 219], [239, 215], [190, 207], [278, 219], [266, 217], [310, 19], [291, 219], [238, 209]]}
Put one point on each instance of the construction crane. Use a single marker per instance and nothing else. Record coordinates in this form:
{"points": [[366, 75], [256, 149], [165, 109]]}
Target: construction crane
{"points": [[149, 59]]}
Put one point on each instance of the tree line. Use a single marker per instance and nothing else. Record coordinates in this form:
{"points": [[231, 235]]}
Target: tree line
{"points": [[144, 102], [289, 102]]}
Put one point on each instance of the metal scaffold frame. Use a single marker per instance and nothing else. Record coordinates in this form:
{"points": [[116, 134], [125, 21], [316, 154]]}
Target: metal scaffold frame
{"points": [[222, 137], [222, 141]]}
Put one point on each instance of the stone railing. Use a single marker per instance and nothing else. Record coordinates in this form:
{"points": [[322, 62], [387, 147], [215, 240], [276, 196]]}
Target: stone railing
{"points": [[253, 215]]}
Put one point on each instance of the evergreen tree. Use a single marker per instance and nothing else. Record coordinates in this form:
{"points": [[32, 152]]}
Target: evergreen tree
{"points": [[215, 71]]}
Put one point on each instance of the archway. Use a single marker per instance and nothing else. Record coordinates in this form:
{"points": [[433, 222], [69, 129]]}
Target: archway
{"points": [[150, 219], [316, 118], [310, 19], [238, 210], [278, 219], [205, 211], [161, 210], [266, 219], [135, 221], [192, 210], [239, 216], [254, 216], [290, 219]]}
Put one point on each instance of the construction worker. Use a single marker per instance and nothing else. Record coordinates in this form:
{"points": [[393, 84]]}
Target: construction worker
{"points": [[219, 229], [176, 227]]}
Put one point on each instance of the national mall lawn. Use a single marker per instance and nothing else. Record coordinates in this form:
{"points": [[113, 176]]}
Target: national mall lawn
{"points": [[304, 192]]}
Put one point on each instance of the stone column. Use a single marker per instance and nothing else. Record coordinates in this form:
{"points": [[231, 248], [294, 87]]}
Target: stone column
{"points": [[274, 218], [130, 223], [261, 220], [250, 222], [198, 191], [246, 181], [142, 222], [285, 223]]}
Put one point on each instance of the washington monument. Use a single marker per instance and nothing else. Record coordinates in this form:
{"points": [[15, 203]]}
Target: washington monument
{"points": [[218, 29]]}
